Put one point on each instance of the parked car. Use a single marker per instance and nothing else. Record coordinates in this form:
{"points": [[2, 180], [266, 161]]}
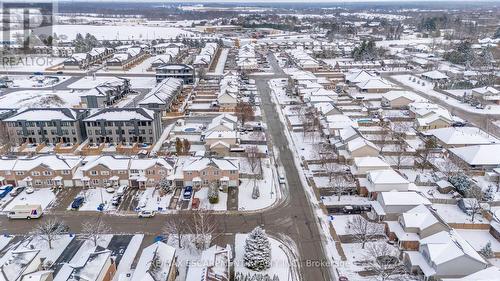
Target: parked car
{"points": [[30, 190], [4, 190], [116, 200], [77, 203], [110, 189], [17, 191], [188, 192], [353, 209], [146, 214], [100, 208]]}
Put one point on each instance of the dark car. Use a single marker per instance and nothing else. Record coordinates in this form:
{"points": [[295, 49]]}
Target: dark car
{"points": [[353, 209], [4, 190], [188, 192], [77, 203], [17, 191]]}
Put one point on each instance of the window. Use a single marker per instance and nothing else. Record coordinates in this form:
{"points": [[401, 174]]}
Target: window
{"points": [[65, 172], [35, 173], [47, 173], [19, 173], [134, 171], [95, 181], [105, 173], [38, 182], [216, 173], [94, 173], [121, 172], [233, 172]]}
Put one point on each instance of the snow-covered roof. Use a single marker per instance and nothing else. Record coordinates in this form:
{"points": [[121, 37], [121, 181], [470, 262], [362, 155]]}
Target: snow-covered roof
{"points": [[110, 161], [375, 83], [359, 76], [487, 274], [419, 217], [446, 246], [385, 176], [370, 161], [53, 162], [462, 136], [395, 94], [401, 198], [163, 93], [435, 75], [143, 164], [359, 143], [159, 253], [44, 114], [122, 114], [200, 163], [479, 154]]}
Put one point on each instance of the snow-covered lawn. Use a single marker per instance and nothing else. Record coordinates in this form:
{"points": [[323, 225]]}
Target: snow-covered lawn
{"points": [[119, 32], [453, 214], [40, 98], [135, 82], [339, 222], [38, 243], [42, 196], [202, 195], [280, 264], [94, 197], [20, 81], [307, 145], [267, 189], [151, 200], [4, 241], [478, 239]]}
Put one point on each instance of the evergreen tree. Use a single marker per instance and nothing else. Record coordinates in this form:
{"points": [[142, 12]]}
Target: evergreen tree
{"points": [[257, 250], [486, 251]]}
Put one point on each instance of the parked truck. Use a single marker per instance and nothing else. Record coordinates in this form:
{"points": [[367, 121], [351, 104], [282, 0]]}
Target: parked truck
{"points": [[25, 212]]}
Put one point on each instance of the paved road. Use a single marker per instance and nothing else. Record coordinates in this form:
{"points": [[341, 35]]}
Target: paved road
{"points": [[293, 217]]}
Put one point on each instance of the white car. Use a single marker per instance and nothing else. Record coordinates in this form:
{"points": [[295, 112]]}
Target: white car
{"points": [[146, 214], [110, 190], [30, 190]]}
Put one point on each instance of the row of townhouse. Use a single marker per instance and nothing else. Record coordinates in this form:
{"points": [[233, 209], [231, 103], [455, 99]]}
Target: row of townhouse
{"points": [[70, 126], [106, 94], [84, 60], [51, 171]]}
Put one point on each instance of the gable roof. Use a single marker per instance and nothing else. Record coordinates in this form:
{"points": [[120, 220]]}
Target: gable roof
{"points": [[479, 154], [155, 263]]}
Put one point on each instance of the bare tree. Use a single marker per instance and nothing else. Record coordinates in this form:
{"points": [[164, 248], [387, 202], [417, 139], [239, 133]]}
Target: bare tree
{"points": [[205, 226], [244, 111], [400, 153], [363, 230], [473, 201], [340, 184], [385, 134], [383, 260], [176, 226], [255, 165], [94, 230], [429, 146], [49, 231]]}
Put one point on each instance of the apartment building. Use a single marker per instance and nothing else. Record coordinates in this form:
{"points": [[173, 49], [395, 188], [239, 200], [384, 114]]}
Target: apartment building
{"points": [[106, 93], [46, 125], [180, 71], [123, 125], [162, 95]]}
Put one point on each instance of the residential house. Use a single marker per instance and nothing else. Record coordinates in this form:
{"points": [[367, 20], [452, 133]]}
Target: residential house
{"points": [[434, 76], [400, 99], [204, 171], [461, 136], [414, 225], [381, 181], [482, 157], [125, 59], [363, 165], [77, 61], [487, 95], [103, 171], [157, 262], [444, 255], [97, 266], [214, 265], [389, 205], [15, 265], [375, 85]]}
